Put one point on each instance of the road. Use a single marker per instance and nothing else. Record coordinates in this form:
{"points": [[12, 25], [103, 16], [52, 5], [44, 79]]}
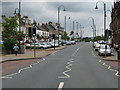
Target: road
{"points": [[72, 67]]}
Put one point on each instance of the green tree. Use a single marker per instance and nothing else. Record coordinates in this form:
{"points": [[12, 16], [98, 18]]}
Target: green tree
{"points": [[10, 34], [65, 36], [97, 38]]}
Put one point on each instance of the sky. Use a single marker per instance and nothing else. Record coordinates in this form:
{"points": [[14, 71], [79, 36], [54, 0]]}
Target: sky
{"points": [[79, 10]]}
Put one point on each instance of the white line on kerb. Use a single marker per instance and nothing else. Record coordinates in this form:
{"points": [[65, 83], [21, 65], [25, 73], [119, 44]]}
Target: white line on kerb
{"points": [[5, 77], [109, 68], [60, 85], [19, 71], [93, 54]]}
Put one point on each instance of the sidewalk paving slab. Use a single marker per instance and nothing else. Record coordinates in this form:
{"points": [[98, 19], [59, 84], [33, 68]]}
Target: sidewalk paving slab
{"points": [[29, 54]]}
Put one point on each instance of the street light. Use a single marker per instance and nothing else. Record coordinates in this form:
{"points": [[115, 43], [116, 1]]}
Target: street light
{"points": [[81, 32], [74, 27], [104, 14], [19, 14], [34, 46], [65, 23], [58, 26], [104, 4], [93, 26], [34, 34]]}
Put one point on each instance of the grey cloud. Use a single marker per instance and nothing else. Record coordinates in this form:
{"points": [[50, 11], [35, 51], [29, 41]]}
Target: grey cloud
{"points": [[47, 11]]}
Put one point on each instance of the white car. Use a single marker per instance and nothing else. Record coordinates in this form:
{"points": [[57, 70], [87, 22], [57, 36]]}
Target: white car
{"points": [[94, 44], [72, 42], [56, 44], [43, 45], [97, 45], [37, 46], [104, 50], [48, 44], [68, 43], [27, 46]]}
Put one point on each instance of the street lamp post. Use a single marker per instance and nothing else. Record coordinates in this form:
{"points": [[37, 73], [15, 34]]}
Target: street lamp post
{"points": [[19, 14], [74, 28], [81, 33], [104, 14], [65, 24], [77, 31], [34, 46], [58, 26], [93, 27], [34, 34], [104, 4]]}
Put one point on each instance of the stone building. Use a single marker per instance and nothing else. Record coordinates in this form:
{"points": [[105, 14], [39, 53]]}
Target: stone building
{"points": [[115, 24]]}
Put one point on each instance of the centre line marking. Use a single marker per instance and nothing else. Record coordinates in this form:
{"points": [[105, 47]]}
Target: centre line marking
{"points": [[60, 85]]}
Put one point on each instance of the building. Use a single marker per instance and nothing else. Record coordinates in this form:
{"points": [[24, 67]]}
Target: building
{"points": [[115, 24]]}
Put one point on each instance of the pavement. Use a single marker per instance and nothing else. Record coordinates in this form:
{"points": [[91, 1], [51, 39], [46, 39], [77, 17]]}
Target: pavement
{"points": [[72, 67], [113, 57], [29, 54]]}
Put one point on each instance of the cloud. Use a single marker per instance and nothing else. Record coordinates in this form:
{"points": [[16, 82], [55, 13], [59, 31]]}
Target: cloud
{"points": [[47, 11]]}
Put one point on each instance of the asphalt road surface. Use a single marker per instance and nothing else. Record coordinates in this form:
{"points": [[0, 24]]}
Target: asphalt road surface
{"points": [[72, 67]]}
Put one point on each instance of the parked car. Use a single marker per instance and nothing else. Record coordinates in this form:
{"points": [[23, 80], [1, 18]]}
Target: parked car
{"points": [[56, 44], [27, 46], [104, 49], [68, 42], [97, 45], [43, 45], [48, 44], [94, 44], [37, 46], [72, 42]]}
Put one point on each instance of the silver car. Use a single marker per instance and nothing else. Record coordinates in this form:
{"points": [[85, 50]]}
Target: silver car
{"points": [[104, 49]]}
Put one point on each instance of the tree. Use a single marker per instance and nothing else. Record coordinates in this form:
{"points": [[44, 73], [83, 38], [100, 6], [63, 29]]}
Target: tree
{"points": [[10, 34], [65, 36], [97, 38]]}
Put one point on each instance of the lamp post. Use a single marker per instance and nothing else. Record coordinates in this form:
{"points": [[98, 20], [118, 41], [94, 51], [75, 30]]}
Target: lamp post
{"points": [[93, 26], [106, 13], [58, 26], [19, 14], [66, 26], [34, 34], [74, 28], [81, 32], [77, 31], [104, 4], [34, 46]]}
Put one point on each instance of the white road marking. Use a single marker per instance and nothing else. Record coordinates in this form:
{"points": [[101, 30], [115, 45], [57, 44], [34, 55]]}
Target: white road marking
{"points": [[43, 59], [109, 68], [5, 77], [117, 72], [10, 75], [19, 71], [68, 69], [75, 52], [60, 85], [93, 54]]}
